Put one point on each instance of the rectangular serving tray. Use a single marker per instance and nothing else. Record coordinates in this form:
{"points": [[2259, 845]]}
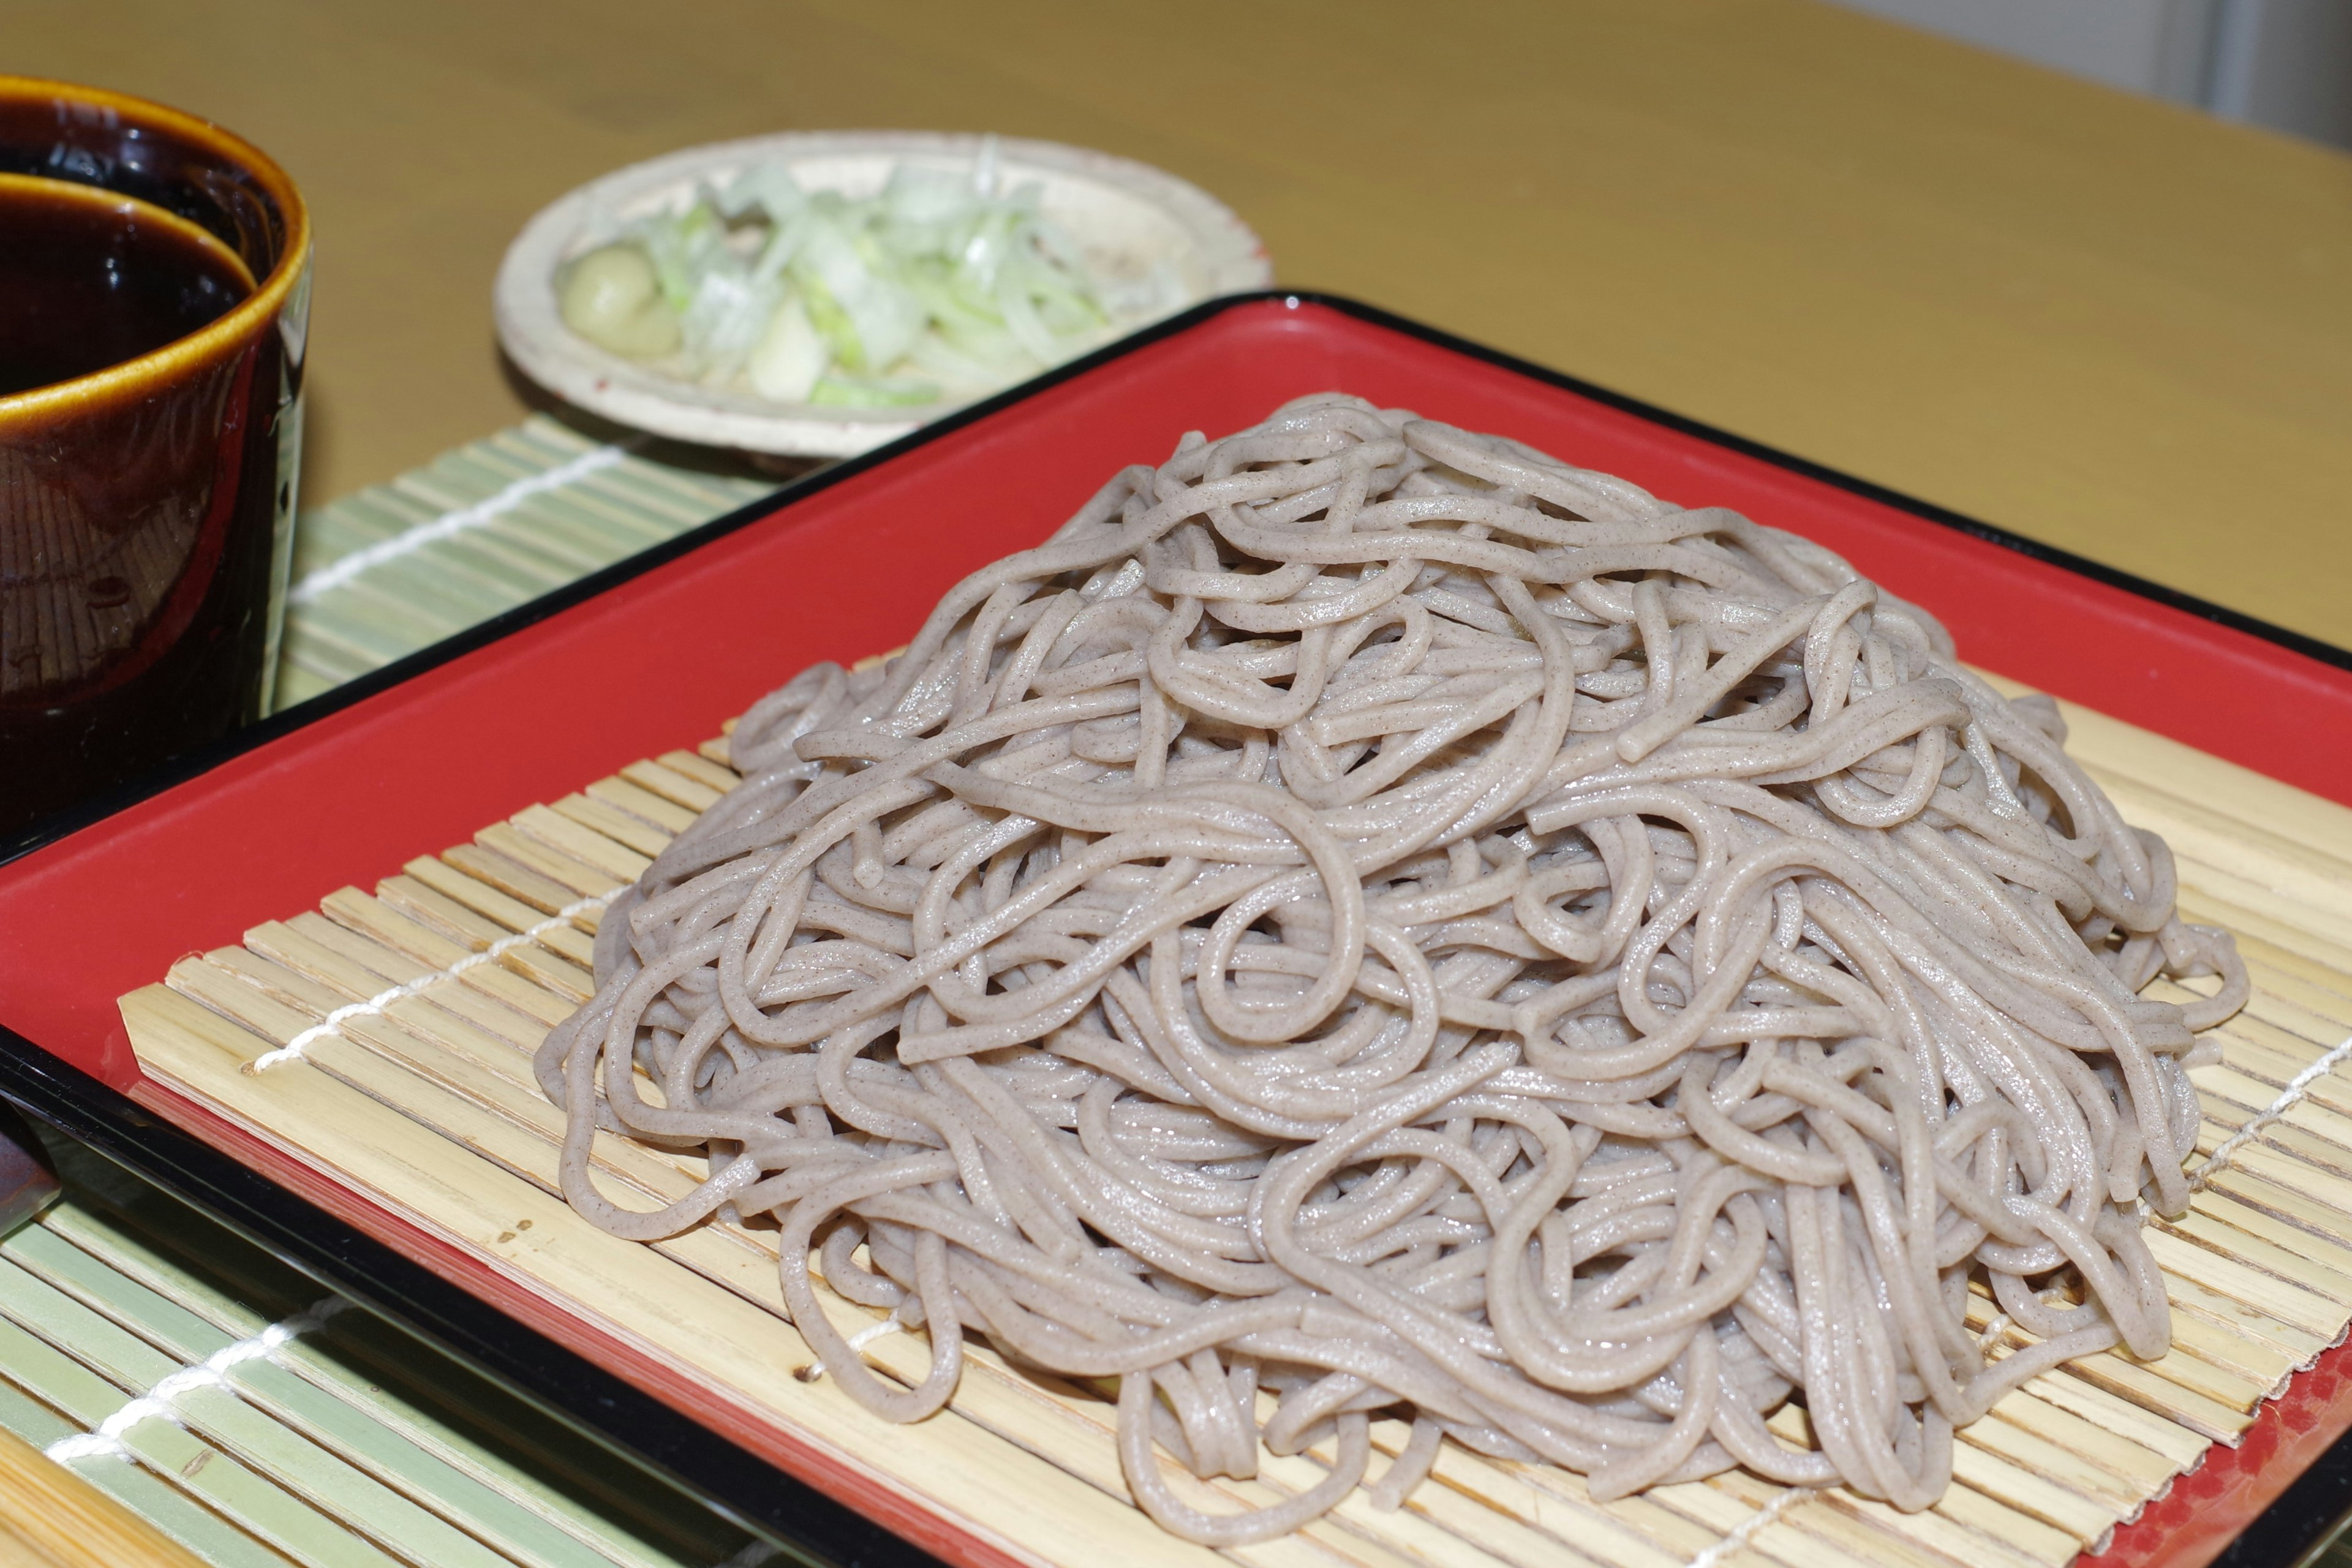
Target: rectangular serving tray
{"points": [[653, 654]]}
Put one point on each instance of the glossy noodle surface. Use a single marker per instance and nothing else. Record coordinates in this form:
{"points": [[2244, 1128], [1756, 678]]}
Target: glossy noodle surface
{"points": [[1371, 918]]}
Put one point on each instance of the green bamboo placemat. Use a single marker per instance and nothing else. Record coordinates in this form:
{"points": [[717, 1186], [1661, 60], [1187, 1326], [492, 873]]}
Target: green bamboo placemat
{"points": [[478, 531], [217, 1393]]}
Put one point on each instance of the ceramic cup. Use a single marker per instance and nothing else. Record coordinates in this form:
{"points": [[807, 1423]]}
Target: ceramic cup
{"points": [[155, 292]]}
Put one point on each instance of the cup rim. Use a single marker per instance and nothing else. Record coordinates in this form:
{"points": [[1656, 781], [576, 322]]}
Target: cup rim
{"points": [[241, 319]]}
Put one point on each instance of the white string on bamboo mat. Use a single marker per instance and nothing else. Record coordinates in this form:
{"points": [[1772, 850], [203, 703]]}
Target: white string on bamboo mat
{"points": [[160, 1402], [872, 1332], [858, 1341], [1736, 1538], [333, 1022], [2288, 1098], [449, 524]]}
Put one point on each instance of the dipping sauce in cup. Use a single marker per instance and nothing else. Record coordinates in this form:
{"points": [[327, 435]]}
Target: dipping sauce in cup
{"points": [[154, 284]]}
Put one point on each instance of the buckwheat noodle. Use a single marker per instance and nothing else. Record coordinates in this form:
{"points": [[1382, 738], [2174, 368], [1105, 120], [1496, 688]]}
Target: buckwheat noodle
{"points": [[1372, 916]]}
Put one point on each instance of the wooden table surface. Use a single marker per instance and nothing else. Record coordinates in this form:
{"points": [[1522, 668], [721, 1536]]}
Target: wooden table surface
{"points": [[2108, 322]]}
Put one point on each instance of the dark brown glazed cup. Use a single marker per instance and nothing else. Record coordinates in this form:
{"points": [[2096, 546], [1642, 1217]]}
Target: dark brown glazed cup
{"points": [[146, 510]]}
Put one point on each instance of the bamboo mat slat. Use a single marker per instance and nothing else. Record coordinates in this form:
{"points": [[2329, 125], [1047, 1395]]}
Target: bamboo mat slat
{"points": [[344, 1442], [480, 529], [58, 1519], [422, 1100]]}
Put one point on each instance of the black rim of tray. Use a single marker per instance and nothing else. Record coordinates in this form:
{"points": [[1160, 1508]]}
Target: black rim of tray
{"points": [[615, 1413]]}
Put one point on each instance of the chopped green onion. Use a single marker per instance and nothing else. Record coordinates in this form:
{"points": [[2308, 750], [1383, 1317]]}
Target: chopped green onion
{"points": [[939, 288]]}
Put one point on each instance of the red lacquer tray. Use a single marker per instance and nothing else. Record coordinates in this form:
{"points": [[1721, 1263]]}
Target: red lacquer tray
{"points": [[349, 787]]}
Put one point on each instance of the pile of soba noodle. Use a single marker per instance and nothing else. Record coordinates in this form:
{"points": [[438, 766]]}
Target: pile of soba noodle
{"points": [[1370, 920]]}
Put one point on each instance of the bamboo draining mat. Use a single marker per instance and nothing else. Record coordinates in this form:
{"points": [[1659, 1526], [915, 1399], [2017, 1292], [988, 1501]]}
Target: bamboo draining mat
{"points": [[346, 1445], [477, 530], [420, 1096]]}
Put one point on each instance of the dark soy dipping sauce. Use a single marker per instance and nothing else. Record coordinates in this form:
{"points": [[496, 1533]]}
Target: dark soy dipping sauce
{"points": [[139, 511], [88, 280]]}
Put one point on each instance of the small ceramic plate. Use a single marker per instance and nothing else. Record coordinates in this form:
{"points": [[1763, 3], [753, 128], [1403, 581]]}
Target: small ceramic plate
{"points": [[1128, 219]]}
